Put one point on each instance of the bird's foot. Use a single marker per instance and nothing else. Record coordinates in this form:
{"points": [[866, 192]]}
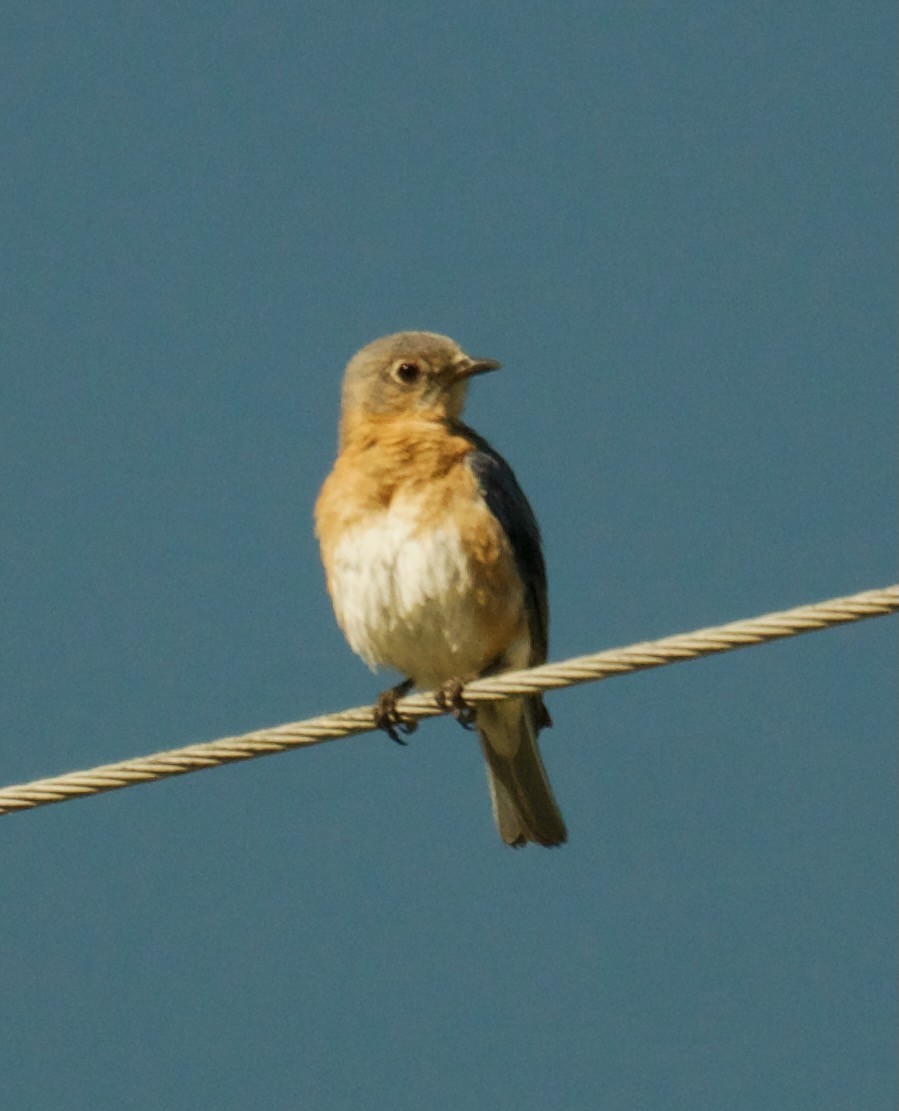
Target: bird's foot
{"points": [[388, 717], [449, 698]]}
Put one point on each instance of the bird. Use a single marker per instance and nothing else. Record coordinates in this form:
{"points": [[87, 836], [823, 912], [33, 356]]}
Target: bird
{"points": [[433, 560]]}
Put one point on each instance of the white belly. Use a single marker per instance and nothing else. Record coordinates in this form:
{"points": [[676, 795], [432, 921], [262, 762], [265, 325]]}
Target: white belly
{"points": [[407, 600]]}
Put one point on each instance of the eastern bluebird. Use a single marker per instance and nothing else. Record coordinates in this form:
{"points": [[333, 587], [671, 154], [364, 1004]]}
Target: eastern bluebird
{"points": [[433, 560]]}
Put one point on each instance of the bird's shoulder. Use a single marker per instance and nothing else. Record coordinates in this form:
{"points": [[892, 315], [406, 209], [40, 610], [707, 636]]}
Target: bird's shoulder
{"points": [[500, 489], [507, 503]]}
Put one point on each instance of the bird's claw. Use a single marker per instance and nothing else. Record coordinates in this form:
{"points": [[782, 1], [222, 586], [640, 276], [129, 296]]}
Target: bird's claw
{"points": [[449, 698], [387, 717]]}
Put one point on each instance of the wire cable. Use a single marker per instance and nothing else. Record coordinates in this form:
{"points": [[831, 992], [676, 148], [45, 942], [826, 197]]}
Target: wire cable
{"points": [[510, 684]]}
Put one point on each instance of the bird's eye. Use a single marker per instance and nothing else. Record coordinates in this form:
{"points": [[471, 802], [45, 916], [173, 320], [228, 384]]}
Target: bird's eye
{"points": [[407, 373]]}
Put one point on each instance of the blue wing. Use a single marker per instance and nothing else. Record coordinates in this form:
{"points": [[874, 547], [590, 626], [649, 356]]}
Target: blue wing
{"points": [[506, 501]]}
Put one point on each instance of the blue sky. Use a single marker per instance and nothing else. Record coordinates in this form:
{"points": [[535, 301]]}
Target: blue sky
{"points": [[675, 226]]}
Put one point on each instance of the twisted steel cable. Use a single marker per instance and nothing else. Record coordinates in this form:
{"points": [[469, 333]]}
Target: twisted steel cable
{"points": [[555, 676]]}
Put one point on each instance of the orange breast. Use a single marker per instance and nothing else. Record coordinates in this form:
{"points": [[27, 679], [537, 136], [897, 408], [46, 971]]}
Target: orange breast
{"points": [[418, 469]]}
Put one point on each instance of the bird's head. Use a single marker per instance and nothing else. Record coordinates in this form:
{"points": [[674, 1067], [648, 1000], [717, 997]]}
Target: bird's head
{"points": [[409, 373]]}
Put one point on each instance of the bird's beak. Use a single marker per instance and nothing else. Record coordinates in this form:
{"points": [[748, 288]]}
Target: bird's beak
{"points": [[470, 367]]}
